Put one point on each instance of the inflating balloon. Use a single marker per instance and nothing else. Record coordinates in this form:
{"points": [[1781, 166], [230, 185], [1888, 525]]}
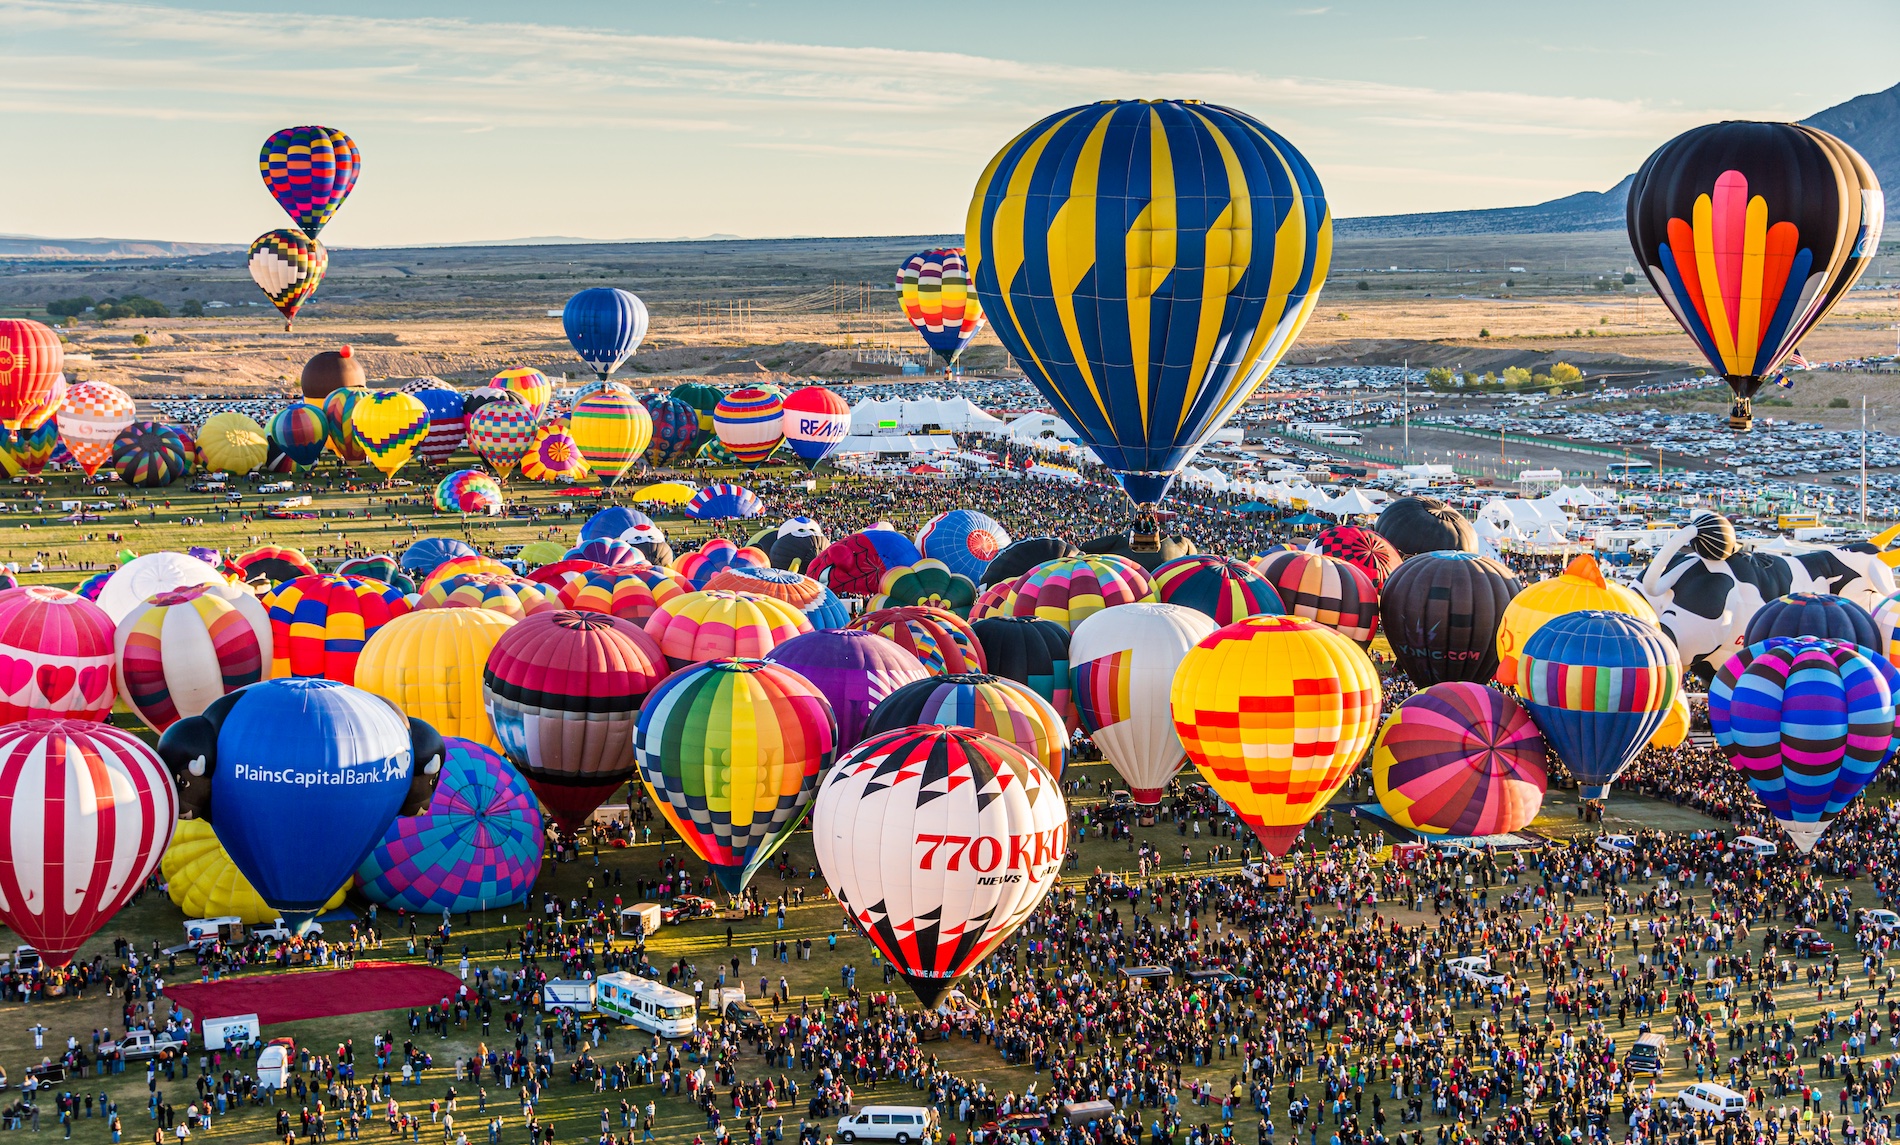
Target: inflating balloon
{"points": [[1121, 665], [1018, 557], [141, 578], [1817, 614], [963, 539], [943, 642], [1414, 525], [1460, 759], [468, 491], [1598, 684], [464, 565], [147, 455], [477, 845], [1580, 586], [715, 556], [854, 671], [232, 443], [1002, 708], [616, 592], [928, 583], [428, 554], [184, 649], [1071, 590], [855, 565], [724, 501], [328, 371], [709, 625], [1220, 588], [429, 664], [1034, 653], [272, 564], [512, 596], [1441, 612], [1371, 553], [319, 624]]}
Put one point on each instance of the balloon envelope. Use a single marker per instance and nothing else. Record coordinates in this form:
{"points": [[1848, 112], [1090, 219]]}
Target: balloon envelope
{"points": [[476, 846], [934, 290], [855, 671], [1441, 612], [605, 325], [1460, 759], [1122, 664], [1598, 684]]}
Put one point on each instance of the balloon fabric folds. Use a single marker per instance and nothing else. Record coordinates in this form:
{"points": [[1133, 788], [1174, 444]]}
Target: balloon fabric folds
{"points": [[1121, 665], [605, 325], [1460, 758], [751, 423], [1751, 232], [1808, 722], [310, 170], [30, 361], [1147, 263], [933, 288], [563, 691], [288, 267], [1441, 612], [612, 429], [477, 845], [855, 671], [732, 751], [1002, 708], [1276, 711], [939, 843], [89, 810], [57, 656], [1598, 684]]}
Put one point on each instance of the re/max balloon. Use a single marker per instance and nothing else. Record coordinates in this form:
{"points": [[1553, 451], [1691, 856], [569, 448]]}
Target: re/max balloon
{"points": [[816, 422]]}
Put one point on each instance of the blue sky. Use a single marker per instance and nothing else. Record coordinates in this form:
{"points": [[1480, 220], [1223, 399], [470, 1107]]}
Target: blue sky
{"points": [[631, 119]]}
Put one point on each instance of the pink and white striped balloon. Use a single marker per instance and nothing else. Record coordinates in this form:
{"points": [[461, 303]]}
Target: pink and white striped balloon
{"points": [[86, 811]]}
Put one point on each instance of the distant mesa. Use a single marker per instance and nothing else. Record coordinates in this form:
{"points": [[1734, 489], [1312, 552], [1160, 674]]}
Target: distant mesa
{"points": [[743, 366]]}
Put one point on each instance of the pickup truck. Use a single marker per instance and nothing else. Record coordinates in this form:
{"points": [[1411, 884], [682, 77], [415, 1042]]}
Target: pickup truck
{"points": [[278, 932], [145, 1044], [1476, 969], [688, 907]]}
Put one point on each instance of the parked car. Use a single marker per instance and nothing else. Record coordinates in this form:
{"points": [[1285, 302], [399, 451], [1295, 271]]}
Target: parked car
{"points": [[1805, 940], [145, 1044], [688, 907]]}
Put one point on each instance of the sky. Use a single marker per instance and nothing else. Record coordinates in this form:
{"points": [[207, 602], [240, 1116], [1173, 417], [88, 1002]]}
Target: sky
{"points": [[620, 119]]}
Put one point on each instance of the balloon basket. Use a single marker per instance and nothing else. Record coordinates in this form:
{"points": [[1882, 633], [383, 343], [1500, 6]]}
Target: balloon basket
{"points": [[1741, 416]]}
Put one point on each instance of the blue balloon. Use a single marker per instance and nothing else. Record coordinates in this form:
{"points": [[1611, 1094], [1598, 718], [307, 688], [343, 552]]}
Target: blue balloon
{"points": [[605, 325], [1598, 685], [614, 524], [476, 846], [429, 554], [894, 547], [963, 539], [828, 613], [306, 775]]}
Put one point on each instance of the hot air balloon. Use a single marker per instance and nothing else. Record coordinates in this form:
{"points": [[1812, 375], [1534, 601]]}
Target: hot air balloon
{"points": [[501, 433], [141, 578], [1674, 731], [1018, 557], [328, 371], [927, 583], [301, 431], [732, 750], [1414, 525], [182, 650], [272, 564], [615, 523], [1147, 263], [795, 545], [605, 325], [204, 883], [716, 555], [1598, 684], [1276, 711], [1808, 722], [939, 842], [1371, 553], [340, 410], [616, 592], [709, 625], [934, 290], [91, 586], [429, 664], [563, 691], [795, 589], [448, 424], [553, 455], [477, 845], [703, 399], [284, 754], [430, 553], [855, 564], [1819, 614], [1441, 612], [675, 429], [750, 422], [30, 361], [723, 502], [1751, 232], [610, 552], [310, 171], [91, 419], [815, 423], [943, 642], [987, 703], [390, 425], [148, 455], [468, 491], [1326, 589], [288, 267], [854, 671], [1581, 586], [612, 429], [89, 810], [1034, 653], [232, 443], [1071, 590], [963, 539], [26, 451], [57, 656], [1121, 665], [1459, 758], [42, 411], [1221, 588], [527, 385], [512, 596], [319, 624]]}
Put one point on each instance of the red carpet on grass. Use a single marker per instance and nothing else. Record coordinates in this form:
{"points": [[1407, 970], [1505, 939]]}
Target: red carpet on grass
{"points": [[296, 995]]}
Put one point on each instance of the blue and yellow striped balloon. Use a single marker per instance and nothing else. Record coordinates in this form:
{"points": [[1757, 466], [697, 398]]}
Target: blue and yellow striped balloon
{"points": [[1147, 263], [1598, 684]]}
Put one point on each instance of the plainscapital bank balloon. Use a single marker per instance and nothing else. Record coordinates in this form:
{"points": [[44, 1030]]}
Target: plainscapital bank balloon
{"points": [[939, 842], [1276, 711], [1750, 233], [605, 325], [1808, 722], [335, 759], [204, 883], [1598, 685], [1121, 665], [731, 751], [89, 810], [1147, 263], [1460, 758], [1441, 612], [57, 656]]}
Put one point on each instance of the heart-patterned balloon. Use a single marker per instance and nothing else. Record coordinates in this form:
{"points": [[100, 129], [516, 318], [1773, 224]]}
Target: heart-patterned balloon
{"points": [[55, 681]]}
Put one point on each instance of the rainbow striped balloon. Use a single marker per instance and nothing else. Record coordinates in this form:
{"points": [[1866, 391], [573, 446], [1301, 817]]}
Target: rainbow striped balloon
{"points": [[1598, 684], [612, 429], [1460, 759], [183, 650], [933, 287], [529, 386], [1335, 592], [1221, 588], [468, 491], [711, 624], [751, 423], [319, 624], [1072, 589], [1003, 708]]}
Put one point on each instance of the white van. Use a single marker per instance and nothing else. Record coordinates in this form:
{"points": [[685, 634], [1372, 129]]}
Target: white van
{"points": [[1718, 1101], [900, 1123], [576, 994], [223, 1033], [1757, 846], [646, 1004]]}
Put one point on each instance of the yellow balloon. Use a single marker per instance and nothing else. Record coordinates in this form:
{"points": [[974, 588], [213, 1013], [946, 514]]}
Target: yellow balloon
{"points": [[611, 428], [429, 664], [1580, 586], [1674, 731], [1276, 711], [390, 424], [204, 882], [232, 443]]}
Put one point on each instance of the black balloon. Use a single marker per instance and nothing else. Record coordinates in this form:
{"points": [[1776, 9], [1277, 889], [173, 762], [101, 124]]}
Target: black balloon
{"points": [[1018, 557], [1714, 537], [473, 400], [1814, 614], [1032, 652], [1425, 525], [1440, 612], [794, 552]]}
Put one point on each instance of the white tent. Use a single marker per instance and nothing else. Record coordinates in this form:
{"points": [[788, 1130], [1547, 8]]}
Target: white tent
{"points": [[934, 443], [1352, 503], [1578, 496], [1032, 426], [1525, 516]]}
